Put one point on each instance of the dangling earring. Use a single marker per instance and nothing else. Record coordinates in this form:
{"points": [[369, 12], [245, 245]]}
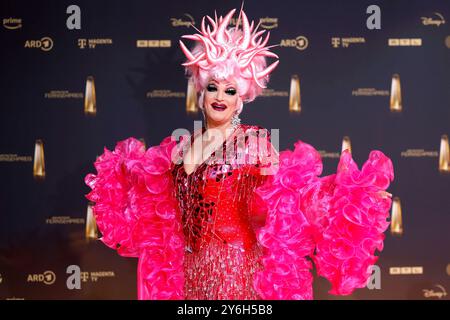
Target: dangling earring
{"points": [[235, 120], [202, 107]]}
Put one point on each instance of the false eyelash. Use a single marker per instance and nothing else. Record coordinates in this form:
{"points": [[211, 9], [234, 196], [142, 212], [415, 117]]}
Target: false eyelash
{"points": [[211, 87]]}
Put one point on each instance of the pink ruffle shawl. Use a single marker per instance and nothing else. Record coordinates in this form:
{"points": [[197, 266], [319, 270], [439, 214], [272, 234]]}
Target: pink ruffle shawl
{"points": [[337, 221], [137, 214]]}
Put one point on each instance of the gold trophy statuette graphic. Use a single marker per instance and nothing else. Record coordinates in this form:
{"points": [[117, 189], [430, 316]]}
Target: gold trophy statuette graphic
{"points": [[191, 98], [396, 218], [39, 162], [90, 101], [444, 155], [346, 144], [91, 225], [396, 94], [294, 95]]}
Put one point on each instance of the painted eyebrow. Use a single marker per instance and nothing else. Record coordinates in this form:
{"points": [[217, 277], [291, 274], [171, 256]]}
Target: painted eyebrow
{"points": [[226, 83]]}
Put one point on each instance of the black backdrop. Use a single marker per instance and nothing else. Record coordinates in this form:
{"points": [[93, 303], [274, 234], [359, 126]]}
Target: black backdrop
{"points": [[34, 241]]}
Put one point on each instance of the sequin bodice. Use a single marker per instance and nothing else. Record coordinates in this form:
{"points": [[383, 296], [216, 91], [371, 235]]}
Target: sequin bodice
{"points": [[215, 202]]}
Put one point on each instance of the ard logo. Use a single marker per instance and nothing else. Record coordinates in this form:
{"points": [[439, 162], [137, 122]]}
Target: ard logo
{"points": [[48, 278], [300, 43], [45, 44]]}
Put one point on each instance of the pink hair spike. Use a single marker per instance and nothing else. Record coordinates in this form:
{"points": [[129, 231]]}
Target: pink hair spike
{"points": [[268, 70], [192, 25], [196, 60], [223, 24], [186, 51], [239, 18]]}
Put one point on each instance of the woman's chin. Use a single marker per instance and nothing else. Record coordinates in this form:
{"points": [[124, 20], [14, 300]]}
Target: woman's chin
{"points": [[218, 118]]}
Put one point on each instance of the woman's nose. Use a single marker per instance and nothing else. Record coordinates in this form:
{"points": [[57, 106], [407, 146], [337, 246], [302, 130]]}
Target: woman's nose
{"points": [[219, 95]]}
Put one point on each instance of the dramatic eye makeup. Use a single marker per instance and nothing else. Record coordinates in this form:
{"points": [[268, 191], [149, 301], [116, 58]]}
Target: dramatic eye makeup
{"points": [[230, 91], [211, 88]]}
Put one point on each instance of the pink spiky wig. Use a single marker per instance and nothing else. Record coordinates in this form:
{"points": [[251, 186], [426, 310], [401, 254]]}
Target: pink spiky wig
{"points": [[222, 53]]}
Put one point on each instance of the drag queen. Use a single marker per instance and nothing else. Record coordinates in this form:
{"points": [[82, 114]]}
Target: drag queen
{"points": [[219, 213]]}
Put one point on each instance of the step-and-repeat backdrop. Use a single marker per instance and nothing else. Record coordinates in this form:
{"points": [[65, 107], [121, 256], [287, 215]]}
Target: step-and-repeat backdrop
{"points": [[78, 76]]}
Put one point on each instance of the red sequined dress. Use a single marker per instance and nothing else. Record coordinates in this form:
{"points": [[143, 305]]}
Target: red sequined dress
{"points": [[222, 252], [234, 230]]}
